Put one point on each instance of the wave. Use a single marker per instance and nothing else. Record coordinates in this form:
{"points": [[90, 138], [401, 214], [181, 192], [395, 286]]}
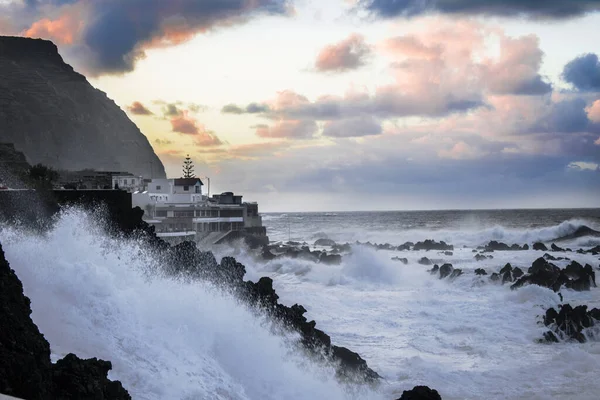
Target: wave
{"points": [[100, 297], [467, 235]]}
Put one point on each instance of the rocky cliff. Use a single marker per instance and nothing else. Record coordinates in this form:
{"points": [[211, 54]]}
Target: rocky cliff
{"points": [[53, 115]]}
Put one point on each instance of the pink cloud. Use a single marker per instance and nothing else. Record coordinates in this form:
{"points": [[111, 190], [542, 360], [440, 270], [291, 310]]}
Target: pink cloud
{"points": [[593, 112], [207, 139], [185, 124], [461, 151], [65, 29], [138, 108], [290, 129], [350, 53]]}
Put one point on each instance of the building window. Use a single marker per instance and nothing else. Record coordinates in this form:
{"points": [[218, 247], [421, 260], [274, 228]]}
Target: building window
{"points": [[157, 187], [197, 189], [161, 213], [186, 188]]}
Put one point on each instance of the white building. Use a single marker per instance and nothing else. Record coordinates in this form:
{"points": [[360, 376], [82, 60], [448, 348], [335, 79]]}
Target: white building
{"points": [[178, 210], [128, 182]]}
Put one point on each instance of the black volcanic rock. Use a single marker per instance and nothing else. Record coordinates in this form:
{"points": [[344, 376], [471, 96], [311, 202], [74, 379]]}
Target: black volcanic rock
{"points": [[446, 270], [480, 257], [517, 273], [480, 271], [432, 245], [25, 367], [554, 247], [425, 261], [545, 274], [55, 117], [540, 246], [499, 246], [569, 323], [330, 259], [420, 393]]}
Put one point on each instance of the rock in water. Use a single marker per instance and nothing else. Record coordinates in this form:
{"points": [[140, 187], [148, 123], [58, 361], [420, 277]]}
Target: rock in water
{"points": [[420, 393], [25, 367], [53, 115]]}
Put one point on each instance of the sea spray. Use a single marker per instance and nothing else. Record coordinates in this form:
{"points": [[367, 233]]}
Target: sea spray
{"points": [[97, 296]]}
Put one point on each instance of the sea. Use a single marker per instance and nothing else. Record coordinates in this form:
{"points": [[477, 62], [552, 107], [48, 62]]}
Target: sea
{"points": [[468, 338]]}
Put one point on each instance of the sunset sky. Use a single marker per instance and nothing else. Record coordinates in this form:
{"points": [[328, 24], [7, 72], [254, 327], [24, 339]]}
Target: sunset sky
{"points": [[350, 104]]}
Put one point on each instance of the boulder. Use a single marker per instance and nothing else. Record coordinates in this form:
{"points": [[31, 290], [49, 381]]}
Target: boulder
{"points": [[402, 260], [505, 269], [517, 273], [420, 393], [456, 273], [495, 277], [540, 246], [480, 271], [570, 323], [446, 270], [545, 274], [556, 248], [330, 259], [432, 245], [425, 261], [480, 257], [26, 371]]}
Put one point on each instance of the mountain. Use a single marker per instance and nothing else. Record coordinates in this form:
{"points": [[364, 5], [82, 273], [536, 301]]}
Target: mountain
{"points": [[55, 117]]}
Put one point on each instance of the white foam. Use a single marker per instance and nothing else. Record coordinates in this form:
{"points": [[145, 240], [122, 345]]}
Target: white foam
{"points": [[99, 297]]}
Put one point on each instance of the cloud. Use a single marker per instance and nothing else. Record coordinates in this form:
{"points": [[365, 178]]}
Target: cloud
{"points": [[461, 151], [65, 29], [252, 108], [349, 54], [289, 129], [583, 73], [138, 108], [353, 127], [566, 116], [185, 124], [163, 142], [504, 8], [593, 112], [516, 71], [439, 68], [584, 166], [114, 34], [206, 138]]}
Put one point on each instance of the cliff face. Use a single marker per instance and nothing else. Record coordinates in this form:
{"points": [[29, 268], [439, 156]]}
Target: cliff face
{"points": [[53, 115]]}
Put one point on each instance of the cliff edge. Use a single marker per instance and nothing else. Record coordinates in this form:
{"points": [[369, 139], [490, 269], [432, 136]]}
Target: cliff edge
{"points": [[55, 117]]}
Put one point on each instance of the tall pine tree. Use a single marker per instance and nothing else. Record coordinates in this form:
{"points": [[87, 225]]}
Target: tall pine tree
{"points": [[188, 168]]}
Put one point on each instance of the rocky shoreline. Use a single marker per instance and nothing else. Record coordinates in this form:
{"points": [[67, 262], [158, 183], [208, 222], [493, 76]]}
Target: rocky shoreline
{"points": [[31, 375]]}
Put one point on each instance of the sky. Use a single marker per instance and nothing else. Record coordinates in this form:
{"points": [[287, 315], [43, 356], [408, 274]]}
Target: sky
{"points": [[338, 105]]}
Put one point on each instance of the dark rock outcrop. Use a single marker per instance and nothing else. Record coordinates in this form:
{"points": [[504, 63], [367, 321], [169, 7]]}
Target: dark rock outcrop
{"points": [[420, 393], [480, 271], [480, 257], [540, 246], [545, 274], [402, 260], [446, 270], [425, 261], [499, 246], [570, 323], [330, 259], [26, 370], [432, 245], [54, 116], [554, 247]]}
